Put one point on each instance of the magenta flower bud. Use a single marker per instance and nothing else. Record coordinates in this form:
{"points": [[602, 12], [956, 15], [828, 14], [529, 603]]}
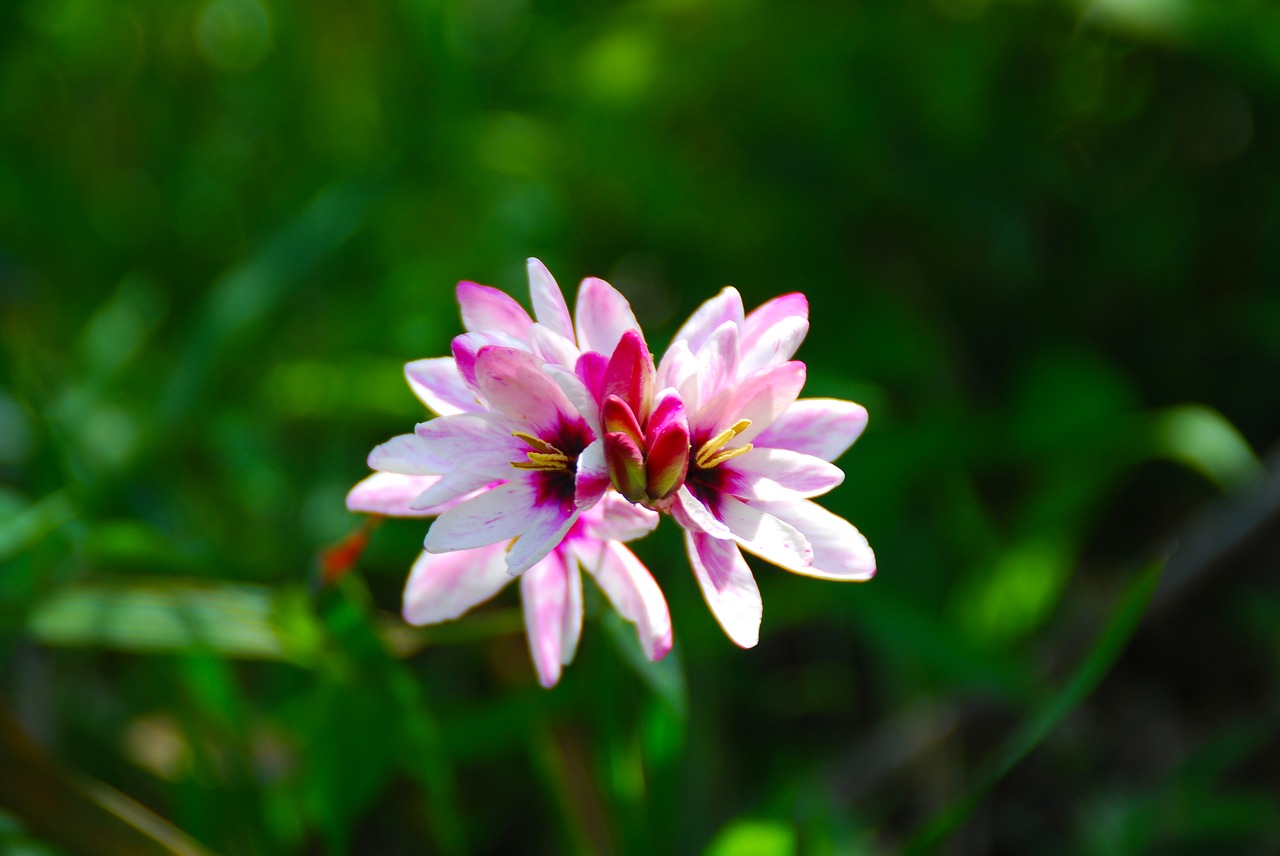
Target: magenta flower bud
{"points": [[626, 465], [629, 374], [617, 417], [668, 461]]}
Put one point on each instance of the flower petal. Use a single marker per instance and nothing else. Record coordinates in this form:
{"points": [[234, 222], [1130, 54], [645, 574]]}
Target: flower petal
{"points": [[592, 478], [840, 551], [603, 315], [782, 310], [496, 515], [633, 592], [579, 396], [760, 397], [390, 494], [615, 519], [442, 587], [549, 306], [452, 488], [408, 454], [694, 516], [550, 522], [768, 537], [728, 586], [513, 383], [679, 371], [552, 615], [775, 346], [438, 384], [467, 347], [485, 309], [718, 361], [778, 474], [724, 307], [553, 348], [480, 443], [822, 427], [626, 465]]}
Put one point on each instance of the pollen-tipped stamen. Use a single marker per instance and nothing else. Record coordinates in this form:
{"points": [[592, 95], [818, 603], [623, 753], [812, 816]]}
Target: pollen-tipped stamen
{"points": [[710, 455], [544, 457]]}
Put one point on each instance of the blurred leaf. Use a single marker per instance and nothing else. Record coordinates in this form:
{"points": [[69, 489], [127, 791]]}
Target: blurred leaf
{"points": [[1202, 439], [233, 620], [754, 838]]}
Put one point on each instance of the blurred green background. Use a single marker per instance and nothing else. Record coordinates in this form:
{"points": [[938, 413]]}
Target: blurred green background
{"points": [[1041, 242]]}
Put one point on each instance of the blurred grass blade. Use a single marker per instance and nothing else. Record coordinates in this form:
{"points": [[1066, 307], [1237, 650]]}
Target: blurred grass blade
{"points": [[81, 815], [175, 615], [31, 524], [1129, 611]]}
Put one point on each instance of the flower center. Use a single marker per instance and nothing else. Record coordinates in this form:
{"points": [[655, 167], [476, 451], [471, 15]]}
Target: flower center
{"points": [[542, 456], [713, 453]]}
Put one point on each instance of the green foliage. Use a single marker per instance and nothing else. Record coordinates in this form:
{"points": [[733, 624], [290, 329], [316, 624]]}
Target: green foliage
{"points": [[1039, 245]]}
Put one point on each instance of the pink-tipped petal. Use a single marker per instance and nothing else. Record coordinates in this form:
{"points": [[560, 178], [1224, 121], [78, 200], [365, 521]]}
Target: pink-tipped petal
{"points": [[442, 587], [629, 374], [496, 515], [840, 551], [760, 397], [467, 347], [591, 481], [549, 615], [390, 494], [692, 515], [514, 384], [768, 537], [728, 586], [480, 443], [822, 427], [603, 316], [631, 589], [408, 454], [549, 306], [486, 309], [550, 522], [615, 519], [775, 346], [724, 307], [780, 311], [438, 385], [778, 474], [679, 371]]}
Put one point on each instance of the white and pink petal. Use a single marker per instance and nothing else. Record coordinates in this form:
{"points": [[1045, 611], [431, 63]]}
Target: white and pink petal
{"points": [[728, 586], [442, 587]]}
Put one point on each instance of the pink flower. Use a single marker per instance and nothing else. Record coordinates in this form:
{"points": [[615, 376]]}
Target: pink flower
{"points": [[758, 456], [515, 473]]}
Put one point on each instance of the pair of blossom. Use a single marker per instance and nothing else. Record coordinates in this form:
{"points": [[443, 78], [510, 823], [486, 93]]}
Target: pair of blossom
{"points": [[557, 439]]}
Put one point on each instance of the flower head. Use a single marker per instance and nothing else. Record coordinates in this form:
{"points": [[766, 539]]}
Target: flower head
{"points": [[759, 454]]}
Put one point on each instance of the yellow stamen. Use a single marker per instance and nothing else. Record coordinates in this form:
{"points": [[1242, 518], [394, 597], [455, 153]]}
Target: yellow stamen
{"points": [[710, 455], [544, 457], [535, 443]]}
